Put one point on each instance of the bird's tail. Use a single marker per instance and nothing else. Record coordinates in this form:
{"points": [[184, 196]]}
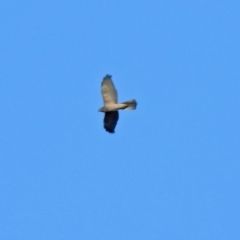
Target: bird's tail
{"points": [[131, 104]]}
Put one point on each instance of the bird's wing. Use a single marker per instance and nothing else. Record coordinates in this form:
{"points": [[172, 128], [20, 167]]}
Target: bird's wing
{"points": [[110, 121], [109, 92]]}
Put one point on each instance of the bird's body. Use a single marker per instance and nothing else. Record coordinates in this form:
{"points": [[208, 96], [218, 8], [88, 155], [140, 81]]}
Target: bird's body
{"points": [[111, 105]]}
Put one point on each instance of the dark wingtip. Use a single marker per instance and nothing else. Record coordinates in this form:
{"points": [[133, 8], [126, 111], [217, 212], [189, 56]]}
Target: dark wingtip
{"points": [[108, 76], [109, 130]]}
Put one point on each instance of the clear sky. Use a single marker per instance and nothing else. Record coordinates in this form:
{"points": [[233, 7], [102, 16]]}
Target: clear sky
{"points": [[171, 170]]}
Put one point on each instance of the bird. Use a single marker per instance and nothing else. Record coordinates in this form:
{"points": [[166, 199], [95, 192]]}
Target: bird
{"points": [[111, 105]]}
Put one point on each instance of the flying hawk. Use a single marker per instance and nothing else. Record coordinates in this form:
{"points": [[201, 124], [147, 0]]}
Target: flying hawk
{"points": [[111, 107]]}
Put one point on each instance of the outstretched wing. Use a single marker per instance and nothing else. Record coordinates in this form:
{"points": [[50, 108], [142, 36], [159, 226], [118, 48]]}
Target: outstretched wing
{"points": [[109, 92], [110, 121]]}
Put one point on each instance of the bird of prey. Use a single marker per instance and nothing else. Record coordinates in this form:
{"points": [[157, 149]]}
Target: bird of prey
{"points": [[111, 105]]}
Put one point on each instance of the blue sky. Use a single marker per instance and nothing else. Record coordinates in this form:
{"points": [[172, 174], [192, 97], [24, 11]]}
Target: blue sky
{"points": [[171, 170]]}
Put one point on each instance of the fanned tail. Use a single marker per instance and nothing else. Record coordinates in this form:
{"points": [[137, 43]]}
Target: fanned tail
{"points": [[131, 104]]}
